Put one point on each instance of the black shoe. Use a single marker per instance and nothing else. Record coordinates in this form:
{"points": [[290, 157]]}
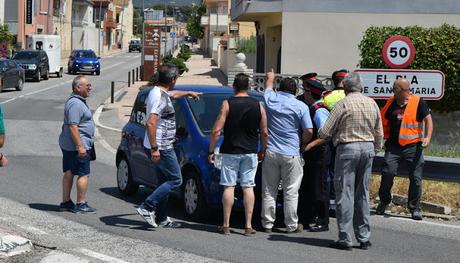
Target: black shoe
{"points": [[417, 215], [380, 210], [319, 228], [365, 245], [338, 245]]}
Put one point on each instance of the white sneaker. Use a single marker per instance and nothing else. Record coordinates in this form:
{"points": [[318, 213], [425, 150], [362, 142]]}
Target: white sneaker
{"points": [[168, 223], [148, 216]]}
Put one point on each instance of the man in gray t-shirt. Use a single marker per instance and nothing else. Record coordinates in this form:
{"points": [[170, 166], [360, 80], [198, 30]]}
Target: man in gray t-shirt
{"points": [[76, 142], [160, 130]]}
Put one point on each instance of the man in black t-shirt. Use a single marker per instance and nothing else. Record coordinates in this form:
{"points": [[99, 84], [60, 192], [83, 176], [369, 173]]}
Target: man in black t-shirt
{"points": [[244, 122], [408, 127]]}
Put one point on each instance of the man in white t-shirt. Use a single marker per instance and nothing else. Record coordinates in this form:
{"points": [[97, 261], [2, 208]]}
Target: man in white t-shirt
{"points": [[160, 131]]}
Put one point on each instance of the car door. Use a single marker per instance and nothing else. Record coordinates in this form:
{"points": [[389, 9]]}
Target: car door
{"points": [[182, 132], [15, 73], [8, 76], [144, 168]]}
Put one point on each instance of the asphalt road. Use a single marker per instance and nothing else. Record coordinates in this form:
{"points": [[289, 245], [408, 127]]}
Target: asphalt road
{"points": [[33, 120]]}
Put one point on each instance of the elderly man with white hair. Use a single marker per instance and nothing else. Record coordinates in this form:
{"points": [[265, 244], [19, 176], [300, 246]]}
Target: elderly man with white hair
{"points": [[355, 126]]}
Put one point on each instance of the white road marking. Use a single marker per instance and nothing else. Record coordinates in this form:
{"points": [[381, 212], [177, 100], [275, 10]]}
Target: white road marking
{"points": [[57, 256], [104, 143], [35, 92], [100, 256], [426, 222], [33, 230]]}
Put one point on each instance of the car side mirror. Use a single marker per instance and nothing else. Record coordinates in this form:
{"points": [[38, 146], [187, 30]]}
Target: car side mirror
{"points": [[70, 57], [181, 132], [98, 57]]}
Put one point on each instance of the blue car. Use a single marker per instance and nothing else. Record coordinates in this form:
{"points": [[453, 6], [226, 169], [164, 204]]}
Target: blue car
{"points": [[84, 60], [194, 122]]}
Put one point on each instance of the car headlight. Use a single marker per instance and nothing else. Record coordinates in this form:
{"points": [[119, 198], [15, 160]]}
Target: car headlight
{"points": [[77, 61], [32, 66]]}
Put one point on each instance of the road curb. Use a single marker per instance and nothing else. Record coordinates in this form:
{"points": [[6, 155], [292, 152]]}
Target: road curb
{"points": [[12, 244], [426, 206]]}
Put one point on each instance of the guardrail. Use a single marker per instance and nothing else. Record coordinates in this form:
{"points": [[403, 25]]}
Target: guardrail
{"points": [[435, 168]]}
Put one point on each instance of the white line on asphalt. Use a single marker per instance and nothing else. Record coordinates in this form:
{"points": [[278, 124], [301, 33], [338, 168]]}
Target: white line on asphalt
{"points": [[426, 222], [114, 65], [35, 92], [52, 87], [96, 116], [100, 256], [57, 256], [33, 230], [104, 143]]}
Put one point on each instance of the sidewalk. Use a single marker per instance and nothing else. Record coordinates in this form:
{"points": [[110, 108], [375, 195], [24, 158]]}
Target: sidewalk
{"points": [[201, 72]]}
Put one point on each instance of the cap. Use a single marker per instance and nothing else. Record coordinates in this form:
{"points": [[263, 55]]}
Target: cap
{"points": [[315, 86], [311, 75]]}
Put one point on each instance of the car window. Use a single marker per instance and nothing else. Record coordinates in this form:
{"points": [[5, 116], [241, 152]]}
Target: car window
{"points": [[26, 55], [86, 54], [138, 114], [206, 109], [181, 122]]}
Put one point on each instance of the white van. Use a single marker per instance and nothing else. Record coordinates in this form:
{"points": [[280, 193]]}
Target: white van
{"points": [[51, 44]]}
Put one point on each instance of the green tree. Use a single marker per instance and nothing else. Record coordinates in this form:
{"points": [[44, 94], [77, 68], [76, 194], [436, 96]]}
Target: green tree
{"points": [[5, 35], [194, 27]]}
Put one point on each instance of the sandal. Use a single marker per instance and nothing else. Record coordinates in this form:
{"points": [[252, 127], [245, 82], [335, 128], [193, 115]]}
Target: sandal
{"points": [[249, 231], [224, 230]]}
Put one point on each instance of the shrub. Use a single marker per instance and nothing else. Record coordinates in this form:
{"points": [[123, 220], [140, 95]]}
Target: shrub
{"points": [[247, 45], [169, 59], [436, 48]]}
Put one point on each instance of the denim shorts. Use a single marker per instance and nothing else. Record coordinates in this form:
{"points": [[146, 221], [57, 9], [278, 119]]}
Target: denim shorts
{"points": [[77, 166], [238, 166]]}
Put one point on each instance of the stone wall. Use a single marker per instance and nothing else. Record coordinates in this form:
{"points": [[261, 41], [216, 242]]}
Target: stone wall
{"points": [[446, 132]]}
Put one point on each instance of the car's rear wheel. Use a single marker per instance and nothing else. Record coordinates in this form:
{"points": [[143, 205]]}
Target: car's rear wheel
{"points": [[20, 84], [194, 202], [125, 182], [98, 72]]}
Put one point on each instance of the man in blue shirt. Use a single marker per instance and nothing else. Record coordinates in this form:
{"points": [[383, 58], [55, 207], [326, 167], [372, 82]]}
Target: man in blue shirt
{"points": [[286, 116]]}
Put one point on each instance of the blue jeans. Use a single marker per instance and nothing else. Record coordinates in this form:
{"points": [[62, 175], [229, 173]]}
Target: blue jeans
{"points": [[170, 173]]}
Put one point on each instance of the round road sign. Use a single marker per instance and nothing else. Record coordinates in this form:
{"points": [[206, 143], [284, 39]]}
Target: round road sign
{"points": [[398, 52]]}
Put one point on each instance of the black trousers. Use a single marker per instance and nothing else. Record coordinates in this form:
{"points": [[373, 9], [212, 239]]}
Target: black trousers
{"points": [[314, 191], [413, 155]]}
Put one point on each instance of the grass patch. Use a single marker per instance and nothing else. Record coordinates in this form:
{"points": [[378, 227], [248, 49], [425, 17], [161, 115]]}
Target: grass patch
{"points": [[444, 193]]}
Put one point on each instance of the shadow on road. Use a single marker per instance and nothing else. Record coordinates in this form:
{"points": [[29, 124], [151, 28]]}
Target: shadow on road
{"points": [[121, 221], [45, 207], [318, 242]]}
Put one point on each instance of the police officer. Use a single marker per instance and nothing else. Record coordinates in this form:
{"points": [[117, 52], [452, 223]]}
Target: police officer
{"points": [[313, 207]]}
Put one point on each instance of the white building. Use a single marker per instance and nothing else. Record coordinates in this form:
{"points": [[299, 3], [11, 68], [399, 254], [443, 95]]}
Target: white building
{"points": [[299, 36], [2, 12], [215, 24], [84, 34]]}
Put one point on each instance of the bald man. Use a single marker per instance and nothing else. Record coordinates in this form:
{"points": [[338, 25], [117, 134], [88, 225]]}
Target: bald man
{"points": [[408, 127]]}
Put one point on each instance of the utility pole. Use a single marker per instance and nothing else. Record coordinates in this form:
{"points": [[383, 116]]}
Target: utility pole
{"points": [[165, 28], [99, 31], [143, 38]]}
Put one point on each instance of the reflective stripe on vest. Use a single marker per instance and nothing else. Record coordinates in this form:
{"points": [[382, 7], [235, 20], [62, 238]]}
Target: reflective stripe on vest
{"points": [[412, 126]]}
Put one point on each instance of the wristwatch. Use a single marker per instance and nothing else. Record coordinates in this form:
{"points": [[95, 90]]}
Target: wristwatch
{"points": [[154, 148]]}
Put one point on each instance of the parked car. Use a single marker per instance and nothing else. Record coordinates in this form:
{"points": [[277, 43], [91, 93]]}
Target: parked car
{"points": [[83, 60], [194, 122], [34, 62], [11, 75], [135, 45]]}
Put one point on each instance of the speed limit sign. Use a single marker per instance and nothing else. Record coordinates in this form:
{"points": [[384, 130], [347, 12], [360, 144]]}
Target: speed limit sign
{"points": [[398, 52]]}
